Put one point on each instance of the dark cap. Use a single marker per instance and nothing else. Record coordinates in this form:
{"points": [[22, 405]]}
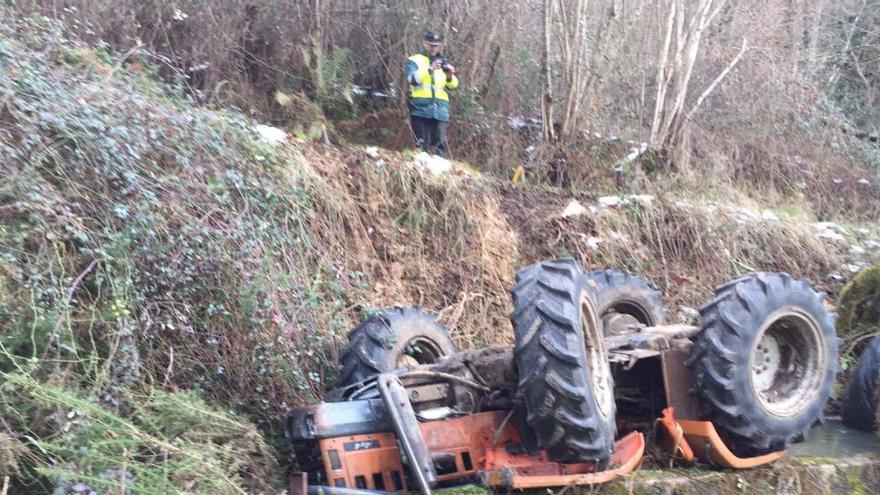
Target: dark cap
{"points": [[433, 37]]}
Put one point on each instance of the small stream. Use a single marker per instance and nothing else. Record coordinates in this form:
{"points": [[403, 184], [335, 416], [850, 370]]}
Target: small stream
{"points": [[833, 439]]}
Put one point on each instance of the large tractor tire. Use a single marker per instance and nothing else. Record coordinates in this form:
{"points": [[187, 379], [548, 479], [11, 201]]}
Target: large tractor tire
{"points": [[564, 377], [390, 339], [624, 299], [862, 394], [764, 361]]}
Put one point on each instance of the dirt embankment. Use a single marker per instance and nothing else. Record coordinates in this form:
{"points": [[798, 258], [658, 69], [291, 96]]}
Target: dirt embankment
{"points": [[453, 242]]}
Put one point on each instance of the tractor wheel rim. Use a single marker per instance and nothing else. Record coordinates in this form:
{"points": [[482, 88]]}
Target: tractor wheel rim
{"points": [[418, 351], [788, 362], [597, 360]]}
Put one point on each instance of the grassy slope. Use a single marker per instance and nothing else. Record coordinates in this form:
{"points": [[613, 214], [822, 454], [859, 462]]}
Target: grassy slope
{"points": [[147, 244]]}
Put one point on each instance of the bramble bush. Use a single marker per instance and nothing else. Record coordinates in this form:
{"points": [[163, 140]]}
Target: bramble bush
{"points": [[145, 242]]}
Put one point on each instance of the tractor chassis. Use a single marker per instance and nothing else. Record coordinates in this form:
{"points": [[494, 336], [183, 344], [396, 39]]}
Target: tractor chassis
{"points": [[454, 421]]}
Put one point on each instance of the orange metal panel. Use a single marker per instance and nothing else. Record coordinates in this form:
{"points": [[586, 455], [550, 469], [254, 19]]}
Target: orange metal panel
{"points": [[709, 447], [362, 460], [672, 437], [477, 442], [523, 472]]}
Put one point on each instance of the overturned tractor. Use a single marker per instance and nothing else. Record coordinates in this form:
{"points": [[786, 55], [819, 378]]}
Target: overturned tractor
{"points": [[594, 368]]}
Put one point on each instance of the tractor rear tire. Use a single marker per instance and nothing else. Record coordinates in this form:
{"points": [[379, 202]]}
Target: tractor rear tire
{"points": [[862, 393], [564, 377], [390, 339], [627, 294], [764, 361]]}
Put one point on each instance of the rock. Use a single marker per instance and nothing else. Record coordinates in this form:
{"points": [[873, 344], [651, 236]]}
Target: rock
{"points": [[574, 209], [830, 231], [857, 250], [271, 135], [644, 199], [433, 163], [830, 235], [864, 181], [829, 226], [743, 215], [373, 152], [609, 201]]}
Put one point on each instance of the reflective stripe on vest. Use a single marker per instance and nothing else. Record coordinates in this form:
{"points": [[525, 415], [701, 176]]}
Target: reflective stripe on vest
{"points": [[430, 87]]}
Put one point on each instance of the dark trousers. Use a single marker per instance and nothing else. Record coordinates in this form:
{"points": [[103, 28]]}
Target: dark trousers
{"points": [[430, 135]]}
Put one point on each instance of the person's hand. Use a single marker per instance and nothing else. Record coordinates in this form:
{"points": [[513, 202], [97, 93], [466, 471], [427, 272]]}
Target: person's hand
{"points": [[436, 64], [450, 69]]}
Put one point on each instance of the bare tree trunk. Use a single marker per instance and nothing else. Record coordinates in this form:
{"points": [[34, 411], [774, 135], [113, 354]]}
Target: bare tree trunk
{"points": [[312, 50], [547, 101], [663, 74], [685, 26]]}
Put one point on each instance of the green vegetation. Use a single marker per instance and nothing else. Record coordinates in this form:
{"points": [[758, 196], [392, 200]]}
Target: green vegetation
{"points": [[171, 284]]}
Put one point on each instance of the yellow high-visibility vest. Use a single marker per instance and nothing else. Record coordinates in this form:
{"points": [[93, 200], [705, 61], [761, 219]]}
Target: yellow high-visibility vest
{"points": [[433, 83]]}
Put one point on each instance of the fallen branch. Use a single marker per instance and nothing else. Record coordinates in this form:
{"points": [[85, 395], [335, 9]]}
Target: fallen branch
{"points": [[67, 300]]}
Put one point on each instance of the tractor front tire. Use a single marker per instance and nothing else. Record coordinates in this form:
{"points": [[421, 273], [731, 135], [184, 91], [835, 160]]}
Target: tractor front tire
{"points": [[564, 377], [390, 339], [764, 361]]}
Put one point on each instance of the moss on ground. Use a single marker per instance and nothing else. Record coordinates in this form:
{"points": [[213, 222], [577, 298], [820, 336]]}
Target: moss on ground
{"points": [[858, 305]]}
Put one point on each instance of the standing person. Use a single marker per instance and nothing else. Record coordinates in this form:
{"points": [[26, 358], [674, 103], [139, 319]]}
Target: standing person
{"points": [[430, 75]]}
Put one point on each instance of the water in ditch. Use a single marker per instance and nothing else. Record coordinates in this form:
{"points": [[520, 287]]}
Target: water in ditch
{"points": [[833, 439]]}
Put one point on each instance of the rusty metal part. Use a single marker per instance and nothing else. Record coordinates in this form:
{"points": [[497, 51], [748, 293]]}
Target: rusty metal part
{"points": [[630, 347], [336, 419], [671, 436], [523, 472], [709, 447], [620, 323], [409, 435], [298, 484], [678, 381]]}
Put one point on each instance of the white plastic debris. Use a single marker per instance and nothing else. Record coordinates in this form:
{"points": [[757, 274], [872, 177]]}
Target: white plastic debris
{"points": [[769, 216], [820, 226], [830, 235], [516, 122], [271, 135], [863, 231], [574, 209], [743, 215], [837, 181], [857, 250], [609, 201], [373, 152], [864, 182], [179, 15], [433, 163], [851, 267], [593, 243]]}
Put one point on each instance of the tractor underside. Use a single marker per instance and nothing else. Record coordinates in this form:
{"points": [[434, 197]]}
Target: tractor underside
{"points": [[560, 407]]}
